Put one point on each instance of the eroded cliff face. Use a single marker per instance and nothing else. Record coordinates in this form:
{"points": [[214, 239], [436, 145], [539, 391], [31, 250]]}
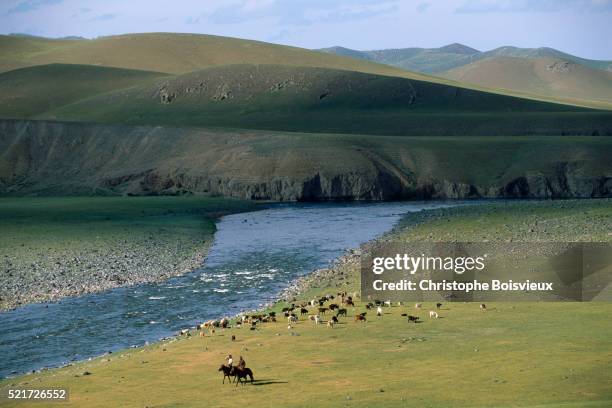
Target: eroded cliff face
{"points": [[62, 158]]}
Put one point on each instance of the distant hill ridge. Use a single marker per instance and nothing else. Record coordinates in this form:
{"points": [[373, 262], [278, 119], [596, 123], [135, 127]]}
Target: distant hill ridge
{"points": [[436, 60]]}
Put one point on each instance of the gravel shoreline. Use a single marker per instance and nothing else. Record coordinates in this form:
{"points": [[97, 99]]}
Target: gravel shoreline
{"points": [[54, 276]]}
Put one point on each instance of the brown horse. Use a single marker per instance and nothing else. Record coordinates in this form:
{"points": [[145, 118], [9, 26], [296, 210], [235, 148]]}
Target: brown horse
{"points": [[241, 373], [227, 372]]}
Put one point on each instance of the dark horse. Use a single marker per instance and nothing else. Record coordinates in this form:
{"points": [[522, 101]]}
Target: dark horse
{"points": [[227, 372], [241, 373]]}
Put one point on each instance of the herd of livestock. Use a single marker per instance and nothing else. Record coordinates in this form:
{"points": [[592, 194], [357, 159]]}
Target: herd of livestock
{"points": [[334, 306]]}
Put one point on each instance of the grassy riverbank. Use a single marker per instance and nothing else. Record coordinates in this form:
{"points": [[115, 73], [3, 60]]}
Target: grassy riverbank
{"points": [[55, 247], [516, 354]]}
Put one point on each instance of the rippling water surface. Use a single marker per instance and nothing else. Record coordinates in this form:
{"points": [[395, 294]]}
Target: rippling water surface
{"points": [[253, 257]]}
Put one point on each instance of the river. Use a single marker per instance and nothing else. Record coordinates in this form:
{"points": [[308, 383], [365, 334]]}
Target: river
{"points": [[253, 257]]}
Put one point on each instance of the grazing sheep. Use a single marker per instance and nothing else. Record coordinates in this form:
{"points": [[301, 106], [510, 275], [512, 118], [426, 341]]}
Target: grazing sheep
{"points": [[379, 311], [438, 305], [418, 305], [317, 319], [483, 307], [330, 324], [341, 312], [433, 314]]}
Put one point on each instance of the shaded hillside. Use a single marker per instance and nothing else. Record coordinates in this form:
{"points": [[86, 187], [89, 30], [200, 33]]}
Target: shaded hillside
{"points": [[105, 159], [542, 76], [28, 92], [318, 100]]}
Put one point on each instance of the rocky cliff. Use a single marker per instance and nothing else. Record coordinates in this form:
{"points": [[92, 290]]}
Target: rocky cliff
{"points": [[51, 158]]}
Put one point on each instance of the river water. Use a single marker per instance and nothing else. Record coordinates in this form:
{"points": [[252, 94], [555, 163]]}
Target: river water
{"points": [[253, 257]]}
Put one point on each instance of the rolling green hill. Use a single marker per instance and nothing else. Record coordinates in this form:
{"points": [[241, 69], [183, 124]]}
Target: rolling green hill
{"points": [[174, 53], [171, 53], [28, 92], [525, 73], [539, 76], [301, 99], [546, 52]]}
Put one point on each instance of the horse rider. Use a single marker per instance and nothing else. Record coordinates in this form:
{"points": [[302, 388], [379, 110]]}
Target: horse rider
{"points": [[229, 360], [241, 363]]}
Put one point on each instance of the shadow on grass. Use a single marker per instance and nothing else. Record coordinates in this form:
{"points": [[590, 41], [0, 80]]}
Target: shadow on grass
{"points": [[268, 382]]}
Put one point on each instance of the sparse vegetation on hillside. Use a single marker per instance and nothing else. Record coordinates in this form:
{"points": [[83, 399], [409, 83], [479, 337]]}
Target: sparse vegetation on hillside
{"points": [[109, 159], [299, 99], [538, 76]]}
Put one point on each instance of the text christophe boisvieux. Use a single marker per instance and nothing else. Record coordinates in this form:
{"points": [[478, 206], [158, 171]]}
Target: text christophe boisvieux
{"points": [[459, 265]]}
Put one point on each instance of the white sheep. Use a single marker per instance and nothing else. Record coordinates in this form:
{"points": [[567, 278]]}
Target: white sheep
{"points": [[379, 311], [433, 314]]}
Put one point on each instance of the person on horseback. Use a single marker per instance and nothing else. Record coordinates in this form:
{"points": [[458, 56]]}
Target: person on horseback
{"points": [[229, 360], [241, 363]]}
